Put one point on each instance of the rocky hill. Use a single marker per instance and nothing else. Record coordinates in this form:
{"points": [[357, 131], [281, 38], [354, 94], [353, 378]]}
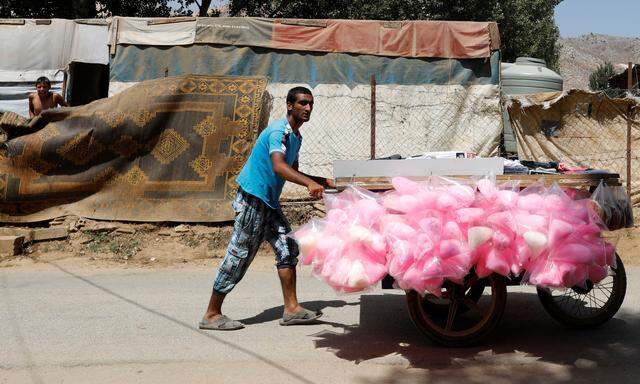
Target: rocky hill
{"points": [[579, 56]]}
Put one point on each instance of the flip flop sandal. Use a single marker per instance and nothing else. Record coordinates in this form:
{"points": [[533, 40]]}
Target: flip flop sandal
{"points": [[222, 323], [303, 316]]}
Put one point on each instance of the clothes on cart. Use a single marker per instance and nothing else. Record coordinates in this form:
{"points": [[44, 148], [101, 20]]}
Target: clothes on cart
{"points": [[514, 167]]}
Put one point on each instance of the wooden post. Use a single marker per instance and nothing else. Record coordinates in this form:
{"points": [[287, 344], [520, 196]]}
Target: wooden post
{"points": [[629, 112], [373, 117], [65, 78]]}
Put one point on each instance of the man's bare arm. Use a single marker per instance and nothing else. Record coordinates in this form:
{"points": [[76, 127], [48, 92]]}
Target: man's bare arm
{"points": [[284, 170], [31, 107], [59, 100], [324, 181]]}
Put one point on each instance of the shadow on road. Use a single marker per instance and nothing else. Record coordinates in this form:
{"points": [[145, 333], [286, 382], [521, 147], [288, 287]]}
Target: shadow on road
{"points": [[528, 347]]}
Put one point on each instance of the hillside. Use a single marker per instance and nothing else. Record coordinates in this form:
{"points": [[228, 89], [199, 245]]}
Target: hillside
{"points": [[579, 56]]}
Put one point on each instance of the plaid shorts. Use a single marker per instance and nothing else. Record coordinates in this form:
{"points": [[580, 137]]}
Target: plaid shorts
{"points": [[255, 221]]}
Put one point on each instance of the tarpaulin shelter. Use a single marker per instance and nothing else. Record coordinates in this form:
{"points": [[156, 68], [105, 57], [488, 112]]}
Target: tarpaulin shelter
{"points": [[34, 48], [437, 81], [581, 129]]}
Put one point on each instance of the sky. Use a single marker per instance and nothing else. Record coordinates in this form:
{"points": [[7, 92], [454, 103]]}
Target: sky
{"points": [[608, 17]]}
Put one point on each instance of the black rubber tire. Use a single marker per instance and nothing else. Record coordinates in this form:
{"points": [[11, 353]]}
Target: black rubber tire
{"points": [[466, 337], [600, 317]]}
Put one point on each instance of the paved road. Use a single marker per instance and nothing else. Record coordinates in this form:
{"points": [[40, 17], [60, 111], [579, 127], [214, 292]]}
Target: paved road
{"points": [[64, 323]]}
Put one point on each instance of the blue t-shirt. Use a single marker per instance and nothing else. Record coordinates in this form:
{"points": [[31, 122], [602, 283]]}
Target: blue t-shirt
{"points": [[257, 177]]}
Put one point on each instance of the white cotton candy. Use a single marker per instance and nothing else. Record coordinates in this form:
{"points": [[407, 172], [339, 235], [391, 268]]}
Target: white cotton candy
{"points": [[535, 240], [487, 188], [357, 275], [358, 233], [308, 242], [478, 236], [507, 198]]}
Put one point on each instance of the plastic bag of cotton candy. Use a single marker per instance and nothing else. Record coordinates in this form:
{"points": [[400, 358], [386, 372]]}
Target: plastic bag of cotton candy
{"points": [[443, 228], [428, 242], [346, 249], [542, 231], [425, 233], [570, 249]]}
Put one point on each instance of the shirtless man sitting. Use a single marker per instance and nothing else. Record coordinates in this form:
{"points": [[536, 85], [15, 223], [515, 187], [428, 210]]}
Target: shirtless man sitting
{"points": [[43, 98]]}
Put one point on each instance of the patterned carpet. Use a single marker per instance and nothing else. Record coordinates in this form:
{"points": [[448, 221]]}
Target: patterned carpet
{"points": [[164, 150]]}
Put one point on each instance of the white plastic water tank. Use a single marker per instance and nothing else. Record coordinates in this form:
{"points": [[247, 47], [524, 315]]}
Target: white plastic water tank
{"points": [[529, 75]]}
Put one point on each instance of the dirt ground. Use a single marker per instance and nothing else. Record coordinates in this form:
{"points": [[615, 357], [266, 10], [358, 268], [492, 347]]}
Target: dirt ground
{"points": [[97, 243], [102, 243]]}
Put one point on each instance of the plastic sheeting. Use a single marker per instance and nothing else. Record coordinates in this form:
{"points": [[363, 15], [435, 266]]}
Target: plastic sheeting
{"points": [[135, 63], [139, 31], [31, 47], [443, 39]]}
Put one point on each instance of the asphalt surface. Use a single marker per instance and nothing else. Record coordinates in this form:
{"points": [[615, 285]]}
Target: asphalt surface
{"points": [[62, 323]]}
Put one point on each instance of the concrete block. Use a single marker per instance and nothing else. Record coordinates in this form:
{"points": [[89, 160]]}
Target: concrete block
{"points": [[26, 232], [50, 233], [11, 245], [127, 230]]}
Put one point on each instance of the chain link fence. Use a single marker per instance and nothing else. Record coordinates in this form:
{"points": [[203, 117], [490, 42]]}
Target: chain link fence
{"points": [[409, 121], [419, 119]]}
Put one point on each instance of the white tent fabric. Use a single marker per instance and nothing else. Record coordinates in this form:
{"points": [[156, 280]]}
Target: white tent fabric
{"points": [[39, 47], [144, 31], [31, 50]]}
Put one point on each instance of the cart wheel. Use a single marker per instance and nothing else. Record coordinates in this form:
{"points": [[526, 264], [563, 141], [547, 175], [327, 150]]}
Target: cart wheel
{"points": [[580, 307], [465, 321], [440, 305]]}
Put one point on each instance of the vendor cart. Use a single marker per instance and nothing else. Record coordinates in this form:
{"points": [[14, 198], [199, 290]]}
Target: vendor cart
{"points": [[467, 313]]}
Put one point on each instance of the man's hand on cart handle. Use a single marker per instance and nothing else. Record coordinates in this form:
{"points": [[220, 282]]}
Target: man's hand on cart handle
{"points": [[315, 184], [315, 190], [330, 184]]}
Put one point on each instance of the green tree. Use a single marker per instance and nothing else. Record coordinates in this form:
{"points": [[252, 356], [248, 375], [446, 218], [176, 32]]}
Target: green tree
{"points": [[48, 9], [204, 7], [136, 8], [527, 27], [78, 9], [599, 80]]}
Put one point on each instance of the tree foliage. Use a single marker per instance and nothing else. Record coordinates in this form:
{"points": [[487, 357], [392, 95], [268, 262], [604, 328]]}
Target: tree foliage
{"points": [[527, 27], [79, 9], [47, 9], [599, 80]]}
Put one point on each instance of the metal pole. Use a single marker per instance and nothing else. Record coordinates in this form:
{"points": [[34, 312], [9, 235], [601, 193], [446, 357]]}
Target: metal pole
{"points": [[373, 117], [629, 110]]}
